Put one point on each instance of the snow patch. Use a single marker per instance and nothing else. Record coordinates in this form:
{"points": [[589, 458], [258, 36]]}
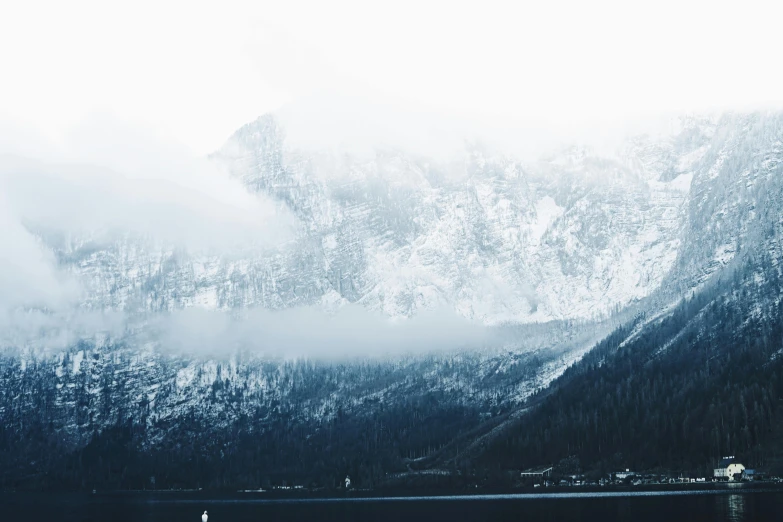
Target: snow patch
{"points": [[206, 297], [724, 254], [77, 362], [185, 376], [687, 161], [682, 182], [547, 211], [329, 242]]}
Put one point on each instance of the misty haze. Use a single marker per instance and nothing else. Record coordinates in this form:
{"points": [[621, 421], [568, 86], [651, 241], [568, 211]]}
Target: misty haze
{"points": [[267, 260]]}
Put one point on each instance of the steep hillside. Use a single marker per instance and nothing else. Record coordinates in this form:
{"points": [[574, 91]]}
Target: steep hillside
{"points": [[575, 236], [679, 387], [145, 403], [704, 381], [665, 256]]}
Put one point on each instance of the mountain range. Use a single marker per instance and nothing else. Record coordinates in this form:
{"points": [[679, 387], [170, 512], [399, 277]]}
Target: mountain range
{"points": [[569, 284]]}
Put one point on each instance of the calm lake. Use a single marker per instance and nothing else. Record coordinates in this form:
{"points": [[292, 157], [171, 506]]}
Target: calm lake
{"points": [[637, 507]]}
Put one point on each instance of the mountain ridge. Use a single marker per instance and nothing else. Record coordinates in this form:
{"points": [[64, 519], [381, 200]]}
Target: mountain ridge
{"points": [[632, 238]]}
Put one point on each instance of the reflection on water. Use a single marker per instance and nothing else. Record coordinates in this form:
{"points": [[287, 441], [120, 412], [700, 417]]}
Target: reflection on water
{"points": [[735, 507], [623, 509], [692, 506]]}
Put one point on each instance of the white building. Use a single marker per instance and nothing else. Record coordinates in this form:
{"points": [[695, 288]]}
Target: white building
{"points": [[537, 473], [728, 468]]}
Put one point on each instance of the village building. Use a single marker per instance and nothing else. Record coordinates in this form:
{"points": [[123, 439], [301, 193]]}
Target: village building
{"points": [[537, 473], [728, 469]]}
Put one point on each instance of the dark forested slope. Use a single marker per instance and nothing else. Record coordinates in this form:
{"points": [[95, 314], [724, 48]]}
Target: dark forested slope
{"points": [[673, 393]]}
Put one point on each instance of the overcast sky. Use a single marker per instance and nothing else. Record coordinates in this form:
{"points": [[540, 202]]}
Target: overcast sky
{"points": [[193, 72], [141, 91]]}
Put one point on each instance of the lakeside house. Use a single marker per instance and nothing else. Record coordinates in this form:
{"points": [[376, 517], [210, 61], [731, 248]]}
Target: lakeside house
{"points": [[729, 469], [537, 473], [622, 475]]}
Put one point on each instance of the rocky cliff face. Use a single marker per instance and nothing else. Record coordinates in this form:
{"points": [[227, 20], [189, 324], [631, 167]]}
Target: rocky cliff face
{"points": [[573, 237], [565, 241]]}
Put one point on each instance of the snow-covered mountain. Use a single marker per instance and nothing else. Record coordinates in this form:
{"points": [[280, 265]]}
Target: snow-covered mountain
{"points": [[575, 236], [497, 240], [553, 253]]}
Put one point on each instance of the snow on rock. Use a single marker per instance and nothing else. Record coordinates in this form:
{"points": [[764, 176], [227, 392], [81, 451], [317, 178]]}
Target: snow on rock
{"points": [[77, 362], [574, 236], [565, 241]]}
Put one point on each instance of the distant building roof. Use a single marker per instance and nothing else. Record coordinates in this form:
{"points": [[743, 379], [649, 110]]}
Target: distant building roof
{"points": [[725, 461], [537, 471]]}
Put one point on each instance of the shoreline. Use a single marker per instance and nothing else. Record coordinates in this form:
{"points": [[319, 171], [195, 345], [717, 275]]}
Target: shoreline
{"points": [[380, 495]]}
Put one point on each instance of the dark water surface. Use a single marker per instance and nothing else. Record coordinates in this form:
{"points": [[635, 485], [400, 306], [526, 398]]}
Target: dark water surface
{"points": [[605, 507]]}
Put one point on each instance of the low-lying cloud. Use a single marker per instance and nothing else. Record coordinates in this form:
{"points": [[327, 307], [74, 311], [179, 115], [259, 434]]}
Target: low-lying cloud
{"points": [[362, 125], [49, 330], [107, 180], [90, 201], [352, 331], [28, 272]]}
